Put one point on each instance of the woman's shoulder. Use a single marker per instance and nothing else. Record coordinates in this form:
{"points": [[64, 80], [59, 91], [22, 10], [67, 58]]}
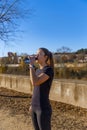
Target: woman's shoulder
{"points": [[48, 70]]}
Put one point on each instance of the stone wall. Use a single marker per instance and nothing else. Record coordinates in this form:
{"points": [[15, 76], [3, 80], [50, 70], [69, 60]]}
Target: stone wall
{"points": [[68, 91]]}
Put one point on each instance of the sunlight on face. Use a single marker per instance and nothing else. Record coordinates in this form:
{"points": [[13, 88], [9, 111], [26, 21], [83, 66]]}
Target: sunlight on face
{"points": [[41, 56]]}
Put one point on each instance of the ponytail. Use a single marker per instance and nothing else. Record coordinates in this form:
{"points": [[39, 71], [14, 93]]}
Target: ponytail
{"points": [[50, 60]]}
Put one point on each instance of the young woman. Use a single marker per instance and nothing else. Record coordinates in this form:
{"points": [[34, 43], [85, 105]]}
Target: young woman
{"points": [[41, 79]]}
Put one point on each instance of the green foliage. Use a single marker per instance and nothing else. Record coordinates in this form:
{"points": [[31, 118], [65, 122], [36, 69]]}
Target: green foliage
{"points": [[3, 69], [71, 73], [83, 51], [61, 72], [15, 70]]}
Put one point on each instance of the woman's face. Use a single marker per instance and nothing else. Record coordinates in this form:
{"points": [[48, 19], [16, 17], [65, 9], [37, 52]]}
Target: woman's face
{"points": [[41, 56]]}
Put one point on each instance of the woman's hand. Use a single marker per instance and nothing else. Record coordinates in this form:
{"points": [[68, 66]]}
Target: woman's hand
{"points": [[32, 59]]}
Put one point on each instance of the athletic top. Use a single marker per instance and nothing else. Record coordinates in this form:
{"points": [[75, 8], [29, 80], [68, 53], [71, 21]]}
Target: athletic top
{"points": [[40, 98]]}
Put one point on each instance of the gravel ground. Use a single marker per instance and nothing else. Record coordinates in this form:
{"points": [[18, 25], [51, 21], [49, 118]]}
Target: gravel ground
{"points": [[14, 114]]}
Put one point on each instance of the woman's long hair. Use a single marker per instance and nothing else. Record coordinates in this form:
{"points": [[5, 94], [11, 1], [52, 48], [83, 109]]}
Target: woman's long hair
{"points": [[49, 55]]}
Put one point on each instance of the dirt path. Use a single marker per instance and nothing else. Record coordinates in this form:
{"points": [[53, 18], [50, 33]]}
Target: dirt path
{"points": [[14, 122], [14, 113]]}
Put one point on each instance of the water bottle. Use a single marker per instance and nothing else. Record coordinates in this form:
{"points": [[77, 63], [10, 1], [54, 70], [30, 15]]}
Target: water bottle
{"points": [[27, 60]]}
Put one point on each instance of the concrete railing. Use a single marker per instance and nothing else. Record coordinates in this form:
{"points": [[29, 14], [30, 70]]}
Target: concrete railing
{"points": [[68, 91]]}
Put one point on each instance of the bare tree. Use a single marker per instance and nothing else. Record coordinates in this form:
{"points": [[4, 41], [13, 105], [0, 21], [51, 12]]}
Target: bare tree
{"points": [[10, 12], [64, 50]]}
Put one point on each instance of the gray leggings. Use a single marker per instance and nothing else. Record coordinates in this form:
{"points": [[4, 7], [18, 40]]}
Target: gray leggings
{"points": [[41, 119]]}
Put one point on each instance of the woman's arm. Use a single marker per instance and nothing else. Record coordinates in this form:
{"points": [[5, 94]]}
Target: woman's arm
{"points": [[37, 79]]}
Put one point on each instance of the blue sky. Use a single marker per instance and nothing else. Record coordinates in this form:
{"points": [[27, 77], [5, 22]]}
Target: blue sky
{"points": [[52, 24]]}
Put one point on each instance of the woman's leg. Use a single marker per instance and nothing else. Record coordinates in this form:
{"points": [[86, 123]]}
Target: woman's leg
{"points": [[44, 119], [34, 120]]}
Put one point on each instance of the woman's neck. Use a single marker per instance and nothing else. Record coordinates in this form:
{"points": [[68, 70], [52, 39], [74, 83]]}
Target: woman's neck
{"points": [[42, 66]]}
